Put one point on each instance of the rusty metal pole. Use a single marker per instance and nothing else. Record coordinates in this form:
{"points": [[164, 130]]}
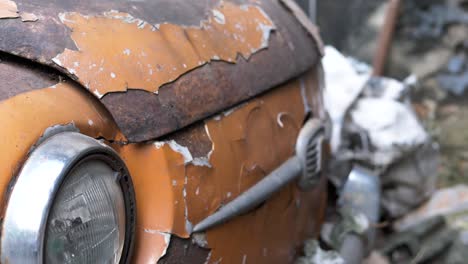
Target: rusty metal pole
{"points": [[385, 37]]}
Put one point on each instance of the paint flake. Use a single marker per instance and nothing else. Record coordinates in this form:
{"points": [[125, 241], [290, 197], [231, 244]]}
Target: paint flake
{"points": [[219, 17], [8, 9], [182, 150], [28, 17]]}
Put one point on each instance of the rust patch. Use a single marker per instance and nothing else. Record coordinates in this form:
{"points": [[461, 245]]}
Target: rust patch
{"points": [[305, 22], [184, 251], [118, 52], [26, 116], [8, 9], [18, 76]]}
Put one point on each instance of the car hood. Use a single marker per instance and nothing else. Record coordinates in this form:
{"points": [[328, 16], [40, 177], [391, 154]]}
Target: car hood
{"points": [[161, 65]]}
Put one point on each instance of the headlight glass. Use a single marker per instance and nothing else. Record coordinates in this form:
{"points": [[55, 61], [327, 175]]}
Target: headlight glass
{"points": [[87, 221]]}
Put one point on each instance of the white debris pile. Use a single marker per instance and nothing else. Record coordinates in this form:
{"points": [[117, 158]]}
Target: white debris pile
{"points": [[374, 125], [314, 254], [344, 85], [378, 108]]}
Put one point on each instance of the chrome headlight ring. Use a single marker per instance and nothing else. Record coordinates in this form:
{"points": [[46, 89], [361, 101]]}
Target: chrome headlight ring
{"points": [[39, 182]]}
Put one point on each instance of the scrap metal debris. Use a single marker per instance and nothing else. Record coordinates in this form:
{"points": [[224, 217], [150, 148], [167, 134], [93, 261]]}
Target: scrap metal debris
{"points": [[410, 181], [432, 44], [455, 78], [314, 254], [425, 242], [8, 9], [451, 203], [375, 125], [114, 38]]}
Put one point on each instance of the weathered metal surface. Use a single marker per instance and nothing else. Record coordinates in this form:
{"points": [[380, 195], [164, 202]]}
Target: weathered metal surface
{"points": [[190, 174], [242, 140], [212, 87], [20, 76], [26, 116], [305, 21], [194, 95]]}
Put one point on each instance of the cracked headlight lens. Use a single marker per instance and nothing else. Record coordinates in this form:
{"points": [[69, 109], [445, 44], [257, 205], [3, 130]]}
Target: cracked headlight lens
{"points": [[87, 220]]}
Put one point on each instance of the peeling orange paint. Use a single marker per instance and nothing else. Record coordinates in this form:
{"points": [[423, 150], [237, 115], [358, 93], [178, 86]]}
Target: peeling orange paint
{"points": [[247, 144], [273, 233], [173, 191], [26, 116], [117, 51], [8, 9], [158, 174]]}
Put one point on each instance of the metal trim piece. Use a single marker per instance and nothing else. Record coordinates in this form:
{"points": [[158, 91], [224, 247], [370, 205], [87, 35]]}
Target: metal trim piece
{"points": [[360, 195], [23, 229], [309, 150]]}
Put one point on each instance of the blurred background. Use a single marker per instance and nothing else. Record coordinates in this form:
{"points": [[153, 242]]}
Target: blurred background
{"points": [[430, 45]]}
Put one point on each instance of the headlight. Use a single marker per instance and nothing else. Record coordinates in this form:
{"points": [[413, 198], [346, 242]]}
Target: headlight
{"points": [[72, 202]]}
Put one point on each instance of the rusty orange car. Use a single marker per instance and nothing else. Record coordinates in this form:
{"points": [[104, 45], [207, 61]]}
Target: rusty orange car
{"points": [[164, 131]]}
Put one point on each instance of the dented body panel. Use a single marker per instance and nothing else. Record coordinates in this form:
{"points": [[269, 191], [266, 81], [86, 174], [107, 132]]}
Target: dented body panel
{"points": [[191, 95]]}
